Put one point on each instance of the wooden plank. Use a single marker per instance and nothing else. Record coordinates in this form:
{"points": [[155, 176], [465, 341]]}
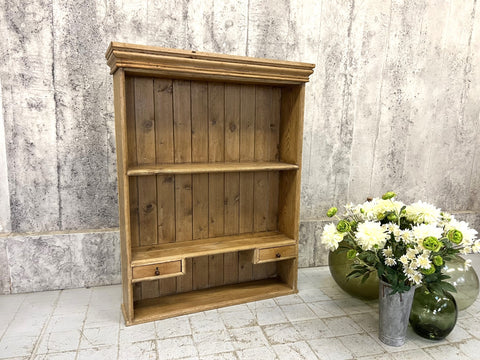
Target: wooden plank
{"points": [[273, 177], [232, 180], [121, 139], [202, 300], [291, 129], [212, 246], [183, 183], [205, 168], [147, 188], [163, 97], [132, 157], [216, 182], [246, 153], [199, 98]]}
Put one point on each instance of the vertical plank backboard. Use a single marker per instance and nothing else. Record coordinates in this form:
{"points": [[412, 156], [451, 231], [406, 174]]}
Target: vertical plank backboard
{"points": [[132, 157], [164, 144], [273, 176], [121, 140], [263, 120], [232, 180], [246, 153], [183, 183], [147, 187], [199, 96], [216, 182]]}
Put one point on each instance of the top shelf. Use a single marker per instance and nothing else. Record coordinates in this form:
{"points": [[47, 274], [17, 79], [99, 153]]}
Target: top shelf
{"points": [[203, 168]]}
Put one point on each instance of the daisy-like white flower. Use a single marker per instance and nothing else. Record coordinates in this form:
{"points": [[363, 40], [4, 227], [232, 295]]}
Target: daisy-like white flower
{"points": [[403, 259], [421, 212], [414, 264], [370, 234], [393, 229], [476, 246], [387, 252], [411, 253], [469, 234], [423, 231], [389, 261], [409, 271], [423, 262], [416, 278], [331, 237], [466, 250]]}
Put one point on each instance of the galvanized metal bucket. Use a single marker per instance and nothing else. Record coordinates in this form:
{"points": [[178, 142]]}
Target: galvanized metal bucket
{"points": [[394, 311]]}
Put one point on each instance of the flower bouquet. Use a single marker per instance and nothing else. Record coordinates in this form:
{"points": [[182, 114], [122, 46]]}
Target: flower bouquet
{"points": [[404, 245]]}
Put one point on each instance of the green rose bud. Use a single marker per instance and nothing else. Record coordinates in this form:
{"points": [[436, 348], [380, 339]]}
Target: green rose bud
{"points": [[455, 236], [432, 243], [343, 226], [351, 254], [438, 260], [388, 195], [381, 216], [392, 217], [428, 271], [332, 211]]}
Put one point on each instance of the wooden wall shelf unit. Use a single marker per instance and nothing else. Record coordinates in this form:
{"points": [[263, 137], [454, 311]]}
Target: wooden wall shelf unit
{"points": [[209, 151]]}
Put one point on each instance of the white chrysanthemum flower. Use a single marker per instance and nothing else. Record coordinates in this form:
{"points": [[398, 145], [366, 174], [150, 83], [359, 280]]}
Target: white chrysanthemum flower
{"points": [[414, 264], [366, 210], [331, 237], [411, 253], [388, 252], [409, 271], [416, 278], [469, 234], [422, 231], [404, 259], [424, 262], [466, 250], [421, 212], [395, 230], [407, 236], [370, 234], [468, 264], [382, 206], [476, 246], [389, 261]]}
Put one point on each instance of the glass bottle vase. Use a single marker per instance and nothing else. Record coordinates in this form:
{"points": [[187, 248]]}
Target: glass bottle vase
{"points": [[433, 316]]}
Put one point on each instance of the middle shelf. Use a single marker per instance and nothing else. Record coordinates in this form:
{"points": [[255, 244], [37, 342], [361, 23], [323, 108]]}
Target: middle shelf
{"points": [[147, 255], [203, 168]]}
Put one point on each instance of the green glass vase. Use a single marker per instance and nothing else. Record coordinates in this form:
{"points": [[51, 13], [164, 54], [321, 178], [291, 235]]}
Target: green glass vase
{"points": [[340, 267], [464, 279], [433, 316]]}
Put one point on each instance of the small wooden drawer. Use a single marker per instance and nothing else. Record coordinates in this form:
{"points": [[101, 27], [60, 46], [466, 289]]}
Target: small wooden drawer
{"points": [[158, 271], [274, 254]]}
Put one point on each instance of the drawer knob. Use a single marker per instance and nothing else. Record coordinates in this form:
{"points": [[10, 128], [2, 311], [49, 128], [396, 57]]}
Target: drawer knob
{"points": [[278, 255], [157, 272]]}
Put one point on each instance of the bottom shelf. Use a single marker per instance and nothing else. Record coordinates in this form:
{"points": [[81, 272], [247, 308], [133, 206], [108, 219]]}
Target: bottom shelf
{"points": [[201, 300]]}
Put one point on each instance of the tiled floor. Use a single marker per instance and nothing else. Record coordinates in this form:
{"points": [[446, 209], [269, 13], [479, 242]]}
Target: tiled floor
{"points": [[321, 322]]}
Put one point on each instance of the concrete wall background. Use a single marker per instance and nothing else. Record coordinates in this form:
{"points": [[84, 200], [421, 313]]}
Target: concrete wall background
{"points": [[393, 104]]}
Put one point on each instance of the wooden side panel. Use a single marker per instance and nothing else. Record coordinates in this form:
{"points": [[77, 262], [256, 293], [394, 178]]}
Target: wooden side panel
{"points": [[216, 141], [291, 128], [183, 183], [147, 187], [246, 153], [119, 88], [199, 96], [232, 180]]}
